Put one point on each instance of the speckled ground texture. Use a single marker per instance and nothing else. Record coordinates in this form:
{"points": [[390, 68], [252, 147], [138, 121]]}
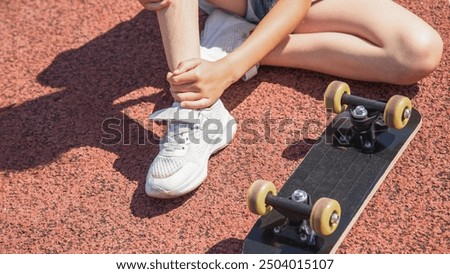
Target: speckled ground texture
{"points": [[72, 73]]}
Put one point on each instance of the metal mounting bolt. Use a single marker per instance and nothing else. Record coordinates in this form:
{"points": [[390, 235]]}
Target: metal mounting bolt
{"points": [[303, 237], [276, 230], [367, 145], [360, 112], [299, 196], [343, 139]]}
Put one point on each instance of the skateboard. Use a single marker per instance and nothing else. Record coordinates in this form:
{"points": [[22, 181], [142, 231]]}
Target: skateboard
{"points": [[325, 195]]}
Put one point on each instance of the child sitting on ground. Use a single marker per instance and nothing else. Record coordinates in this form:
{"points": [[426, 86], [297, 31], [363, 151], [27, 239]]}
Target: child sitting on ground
{"points": [[367, 40]]}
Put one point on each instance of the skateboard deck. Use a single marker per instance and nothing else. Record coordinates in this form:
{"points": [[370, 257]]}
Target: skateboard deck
{"points": [[340, 172]]}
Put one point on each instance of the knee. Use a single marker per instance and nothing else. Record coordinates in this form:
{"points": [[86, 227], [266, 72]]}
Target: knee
{"points": [[418, 55]]}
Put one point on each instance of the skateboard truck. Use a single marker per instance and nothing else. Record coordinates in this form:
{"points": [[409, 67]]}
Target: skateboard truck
{"points": [[368, 117], [365, 128], [301, 220], [295, 210]]}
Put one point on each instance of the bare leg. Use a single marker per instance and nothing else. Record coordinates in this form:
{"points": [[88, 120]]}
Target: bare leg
{"points": [[180, 31], [369, 40]]}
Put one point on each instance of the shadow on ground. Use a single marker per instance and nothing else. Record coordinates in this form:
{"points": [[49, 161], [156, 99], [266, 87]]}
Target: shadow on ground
{"points": [[228, 246], [82, 112]]}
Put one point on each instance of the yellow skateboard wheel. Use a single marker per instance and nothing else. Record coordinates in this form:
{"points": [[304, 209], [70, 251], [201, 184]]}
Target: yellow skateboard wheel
{"points": [[325, 216], [256, 196], [397, 112], [333, 96]]}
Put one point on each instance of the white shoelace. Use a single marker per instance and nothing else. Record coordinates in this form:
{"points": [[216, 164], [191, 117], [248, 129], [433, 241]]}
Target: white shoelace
{"points": [[180, 130], [178, 135]]}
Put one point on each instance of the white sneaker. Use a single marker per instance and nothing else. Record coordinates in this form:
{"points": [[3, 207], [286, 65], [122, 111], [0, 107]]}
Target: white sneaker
{"points": [[223, 33], [192, 137]]}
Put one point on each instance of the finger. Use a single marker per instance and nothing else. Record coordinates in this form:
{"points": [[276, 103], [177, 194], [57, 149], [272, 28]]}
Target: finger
{"points": [[143, 2], [182, 89], [198, 104], [187, 65], [162, 3], [155, 5], [188, 77], [190, 87], [186, 96]]}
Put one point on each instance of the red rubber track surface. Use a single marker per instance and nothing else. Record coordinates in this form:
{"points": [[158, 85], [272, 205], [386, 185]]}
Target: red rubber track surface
{"points": [[69, 67]]}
